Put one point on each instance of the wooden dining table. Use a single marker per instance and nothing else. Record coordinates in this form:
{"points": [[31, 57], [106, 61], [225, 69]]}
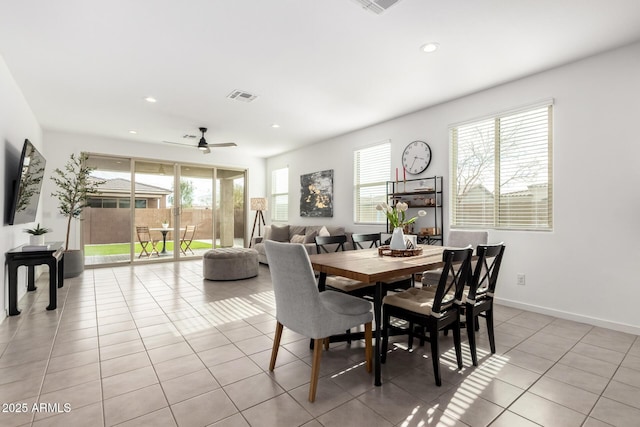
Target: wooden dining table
{"points": [[369, 267]]}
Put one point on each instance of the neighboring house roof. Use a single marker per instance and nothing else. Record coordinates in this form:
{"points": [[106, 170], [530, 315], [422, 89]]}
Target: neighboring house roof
{"points": [[535, 190], [123, 186]]}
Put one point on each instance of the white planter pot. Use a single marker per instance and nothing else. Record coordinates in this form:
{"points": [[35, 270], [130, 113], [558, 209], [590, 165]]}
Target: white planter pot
{"points": [[36, 240]]}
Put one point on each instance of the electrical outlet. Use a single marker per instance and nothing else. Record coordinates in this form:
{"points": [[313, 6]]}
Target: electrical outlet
{"points": [[521, 279]]}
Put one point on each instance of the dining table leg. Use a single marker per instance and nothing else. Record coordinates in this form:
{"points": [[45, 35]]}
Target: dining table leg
{"points": [[377, 314]]}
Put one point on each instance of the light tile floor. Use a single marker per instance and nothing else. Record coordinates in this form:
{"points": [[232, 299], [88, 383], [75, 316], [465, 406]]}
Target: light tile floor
{"points": [[156, 345]]}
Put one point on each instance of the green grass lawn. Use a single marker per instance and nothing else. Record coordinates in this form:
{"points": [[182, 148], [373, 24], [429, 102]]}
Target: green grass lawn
{"points": [[123, 248]]}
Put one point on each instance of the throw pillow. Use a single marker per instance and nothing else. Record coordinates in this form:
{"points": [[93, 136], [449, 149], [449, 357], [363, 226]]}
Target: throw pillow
{"points": [[324, 232], [280, 233], [297, 238], [311, 237]]}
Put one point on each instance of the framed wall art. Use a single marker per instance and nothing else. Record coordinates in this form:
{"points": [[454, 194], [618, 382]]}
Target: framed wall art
{"points": [[316, 194]]}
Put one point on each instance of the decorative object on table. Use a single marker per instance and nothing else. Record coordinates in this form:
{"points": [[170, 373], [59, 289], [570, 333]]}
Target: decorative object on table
{"points": [[316, 194], [397, 239], [75, 185], [387, 251], [258, 204], [36, 233], [165, 223], [416, 157], [397, 220]]}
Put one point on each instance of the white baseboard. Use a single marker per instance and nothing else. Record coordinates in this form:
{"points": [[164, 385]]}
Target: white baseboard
{"points": [[622, 327]]}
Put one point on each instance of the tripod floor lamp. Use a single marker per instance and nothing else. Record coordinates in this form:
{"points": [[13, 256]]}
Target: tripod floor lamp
{"points": [[258, 204]]}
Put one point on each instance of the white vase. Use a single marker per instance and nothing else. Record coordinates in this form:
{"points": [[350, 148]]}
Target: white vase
{"points": [[397, 239], [36, 240]]}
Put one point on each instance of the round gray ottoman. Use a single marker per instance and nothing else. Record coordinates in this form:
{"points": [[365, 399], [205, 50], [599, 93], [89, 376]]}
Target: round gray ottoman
{"points": [[230, 264]]}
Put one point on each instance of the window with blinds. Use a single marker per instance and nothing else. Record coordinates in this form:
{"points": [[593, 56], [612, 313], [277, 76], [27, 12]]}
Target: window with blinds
{"points": [[501, 171], [280, 195], [371, 167]]}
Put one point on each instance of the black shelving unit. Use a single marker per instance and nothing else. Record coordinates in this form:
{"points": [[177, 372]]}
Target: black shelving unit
{"points": [[420, 193]]}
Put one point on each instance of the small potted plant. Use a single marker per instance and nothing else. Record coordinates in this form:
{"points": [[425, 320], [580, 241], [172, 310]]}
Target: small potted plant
{"points": [[165, 223], [37, 234]]}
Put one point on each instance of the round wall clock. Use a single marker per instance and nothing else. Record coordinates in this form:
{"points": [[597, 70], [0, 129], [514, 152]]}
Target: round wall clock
{"points": [[416, 157]]}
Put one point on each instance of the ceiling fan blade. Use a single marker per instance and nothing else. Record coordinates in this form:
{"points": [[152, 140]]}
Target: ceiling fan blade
{"points": [[224, 144], [176, 143]]}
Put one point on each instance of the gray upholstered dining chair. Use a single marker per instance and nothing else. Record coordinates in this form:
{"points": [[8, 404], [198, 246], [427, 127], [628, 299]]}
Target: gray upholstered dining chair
{"points": [[456, 239], [303, 309]]}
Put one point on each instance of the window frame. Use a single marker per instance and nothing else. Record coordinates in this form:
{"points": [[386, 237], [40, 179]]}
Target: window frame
{"points": [[276, 195], [504, 216], [383, 170]]}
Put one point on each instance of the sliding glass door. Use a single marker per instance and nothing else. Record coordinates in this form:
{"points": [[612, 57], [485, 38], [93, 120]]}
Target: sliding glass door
{"points": [[150, 211], [154, 194], [196, 210], [106, 221]]}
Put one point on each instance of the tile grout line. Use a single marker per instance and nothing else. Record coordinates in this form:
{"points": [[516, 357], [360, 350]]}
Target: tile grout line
{"points": [[609, 382], [60, 306]]}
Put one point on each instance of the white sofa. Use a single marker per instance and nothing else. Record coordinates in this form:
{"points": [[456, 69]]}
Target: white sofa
{"points": [[304, 234]]}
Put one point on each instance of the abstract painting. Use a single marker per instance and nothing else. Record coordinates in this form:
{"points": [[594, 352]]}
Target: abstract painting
{"points": [[316, 194]]}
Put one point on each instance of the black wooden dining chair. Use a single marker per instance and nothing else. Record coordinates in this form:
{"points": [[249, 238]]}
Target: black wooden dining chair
{"points": [[434, 311], [477, 299], [329, 244]]}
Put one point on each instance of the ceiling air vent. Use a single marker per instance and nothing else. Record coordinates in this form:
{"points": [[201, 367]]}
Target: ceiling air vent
{"points": [[376, 6], [240, 95]]}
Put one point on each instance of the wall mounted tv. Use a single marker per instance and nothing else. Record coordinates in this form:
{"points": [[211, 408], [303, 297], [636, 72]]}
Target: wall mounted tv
{"points": [[27, 185]]}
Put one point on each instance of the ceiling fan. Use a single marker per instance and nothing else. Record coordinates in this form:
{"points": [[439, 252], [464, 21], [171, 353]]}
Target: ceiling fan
{"points": [[203, 145]]}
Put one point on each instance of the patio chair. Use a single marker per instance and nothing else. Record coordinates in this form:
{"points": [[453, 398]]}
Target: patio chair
{"points": [[187, 238], [147, 243]]}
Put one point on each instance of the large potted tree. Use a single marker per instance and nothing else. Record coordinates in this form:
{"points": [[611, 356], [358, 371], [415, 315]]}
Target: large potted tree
{"points": [[75, 185]]}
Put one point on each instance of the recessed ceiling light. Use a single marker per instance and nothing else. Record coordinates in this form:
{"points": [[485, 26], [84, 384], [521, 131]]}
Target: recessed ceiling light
{"points": [[275, 126], [430, 47], [133, 132], [150, 99]]}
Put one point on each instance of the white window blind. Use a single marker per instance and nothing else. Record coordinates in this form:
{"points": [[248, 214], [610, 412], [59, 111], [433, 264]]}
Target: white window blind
{"points": [[371, 167], [502, 171], [280, 195]]}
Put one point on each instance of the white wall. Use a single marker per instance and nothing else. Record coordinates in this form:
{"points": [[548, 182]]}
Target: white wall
{"points": [[17, 123], [586, 268], [60, 145]]}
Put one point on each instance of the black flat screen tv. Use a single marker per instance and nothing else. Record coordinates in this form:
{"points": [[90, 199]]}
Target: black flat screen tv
{"points": [[27, 185]]}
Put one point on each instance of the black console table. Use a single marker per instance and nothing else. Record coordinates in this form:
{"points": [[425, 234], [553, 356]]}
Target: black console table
{"points": [[53, 256]]}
